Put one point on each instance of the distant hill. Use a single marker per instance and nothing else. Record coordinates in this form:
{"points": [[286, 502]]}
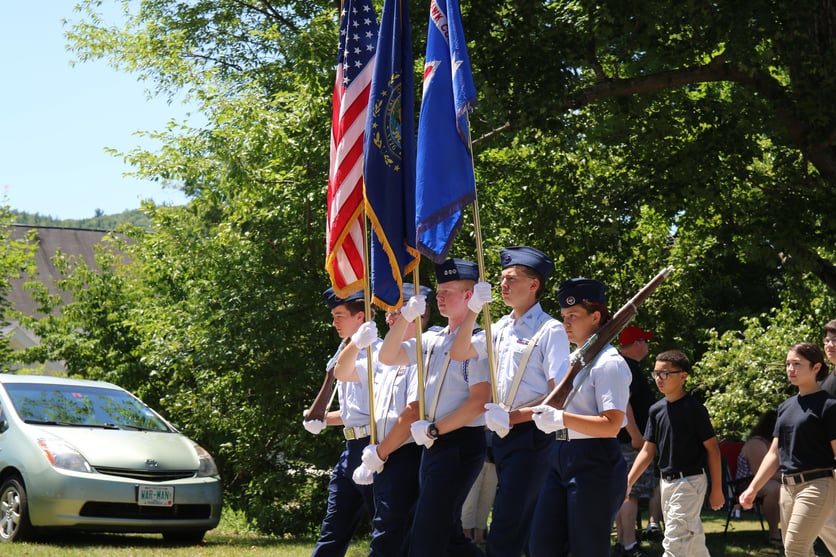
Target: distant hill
{"points": [[98, 222]]}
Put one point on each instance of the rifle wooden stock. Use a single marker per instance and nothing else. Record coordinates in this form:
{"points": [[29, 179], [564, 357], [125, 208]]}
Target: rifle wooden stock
{"points": [[589, 351], [320, 404]]}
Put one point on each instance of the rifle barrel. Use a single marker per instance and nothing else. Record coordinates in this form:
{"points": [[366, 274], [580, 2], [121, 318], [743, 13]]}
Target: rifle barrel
{"points": [[605, 335]]}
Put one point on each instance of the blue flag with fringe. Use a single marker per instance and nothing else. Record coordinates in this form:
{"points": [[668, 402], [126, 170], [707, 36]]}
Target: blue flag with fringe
{"points": [[444, 170], [390, 158]]}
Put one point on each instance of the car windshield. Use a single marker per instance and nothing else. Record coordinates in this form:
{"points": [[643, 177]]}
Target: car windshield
{"points": [[68, 405]]}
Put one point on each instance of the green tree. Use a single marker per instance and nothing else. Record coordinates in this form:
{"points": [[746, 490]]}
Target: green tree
{"points": [[743, 372], [16, 262], [711, 117], [221, 321], [213, 318], [620, 138]]}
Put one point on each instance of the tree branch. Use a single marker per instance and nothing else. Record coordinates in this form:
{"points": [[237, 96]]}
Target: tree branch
{"points": [[809, 260], [496, 131], [820, 154], [269, 11], [715, 71]]}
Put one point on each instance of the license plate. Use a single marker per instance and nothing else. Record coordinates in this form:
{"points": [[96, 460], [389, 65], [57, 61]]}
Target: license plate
{"points": [[155, 496]]}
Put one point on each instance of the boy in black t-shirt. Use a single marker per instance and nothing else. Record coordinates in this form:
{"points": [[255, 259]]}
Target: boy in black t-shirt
{"points": [[680, 427]]}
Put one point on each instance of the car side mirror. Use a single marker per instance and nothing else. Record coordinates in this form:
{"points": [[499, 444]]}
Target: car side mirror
{"points": [[4, 425]]}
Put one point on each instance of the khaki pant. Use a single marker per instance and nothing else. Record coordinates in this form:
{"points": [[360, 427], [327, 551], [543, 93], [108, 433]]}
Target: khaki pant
{"points": [[479, 502], [828, 532], [682, 501], [806, 511]]}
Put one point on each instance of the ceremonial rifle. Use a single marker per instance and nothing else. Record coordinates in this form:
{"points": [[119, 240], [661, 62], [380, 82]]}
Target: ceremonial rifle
{"points": [[587, 353]]}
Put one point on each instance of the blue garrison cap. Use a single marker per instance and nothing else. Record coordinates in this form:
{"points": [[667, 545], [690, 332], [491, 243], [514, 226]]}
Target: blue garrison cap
{"points": [[576, 290], [456, 269], [333, 300], [409, 291], [529, 257]]}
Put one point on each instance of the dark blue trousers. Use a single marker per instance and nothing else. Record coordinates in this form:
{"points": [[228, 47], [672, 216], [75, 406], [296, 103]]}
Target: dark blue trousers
{"points": [[584, 488], [521, 459], [395, 494], [448, 470], [347, 503]]}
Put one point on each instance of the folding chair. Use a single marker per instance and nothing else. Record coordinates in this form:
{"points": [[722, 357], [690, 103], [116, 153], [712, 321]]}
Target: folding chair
{"points": [[729, 451]]}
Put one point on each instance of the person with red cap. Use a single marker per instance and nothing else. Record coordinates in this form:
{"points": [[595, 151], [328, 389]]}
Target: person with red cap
{"points": [[634, 348]]}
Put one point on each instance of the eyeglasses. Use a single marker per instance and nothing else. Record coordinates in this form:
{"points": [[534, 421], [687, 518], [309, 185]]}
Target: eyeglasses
{"points": [[830, 340], [663, 375]]}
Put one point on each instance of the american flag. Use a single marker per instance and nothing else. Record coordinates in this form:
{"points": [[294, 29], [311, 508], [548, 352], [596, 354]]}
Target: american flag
{"points": [[344, 231]]}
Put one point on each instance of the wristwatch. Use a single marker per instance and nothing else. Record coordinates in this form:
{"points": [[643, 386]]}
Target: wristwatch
{"points": [[432, 430]]}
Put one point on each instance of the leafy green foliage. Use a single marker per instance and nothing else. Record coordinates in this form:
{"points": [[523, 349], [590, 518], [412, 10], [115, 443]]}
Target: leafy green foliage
{"points": [[742, 374], [16, 261], [618, 138]]}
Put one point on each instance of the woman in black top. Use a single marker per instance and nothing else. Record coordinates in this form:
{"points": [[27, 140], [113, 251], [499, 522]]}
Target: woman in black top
{"points": [[802, 450]]}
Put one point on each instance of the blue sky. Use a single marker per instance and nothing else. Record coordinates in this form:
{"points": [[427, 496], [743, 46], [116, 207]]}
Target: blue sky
{"points": [[56, 120]]}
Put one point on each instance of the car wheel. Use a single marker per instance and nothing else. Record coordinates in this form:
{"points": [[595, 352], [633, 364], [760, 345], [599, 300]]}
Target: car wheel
{"points": [[14, 511], [184, 537]]}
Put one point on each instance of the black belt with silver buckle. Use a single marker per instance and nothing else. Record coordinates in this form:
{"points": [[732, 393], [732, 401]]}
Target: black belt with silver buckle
{"points": [[671, 476], [562, 434], [801, 477]]}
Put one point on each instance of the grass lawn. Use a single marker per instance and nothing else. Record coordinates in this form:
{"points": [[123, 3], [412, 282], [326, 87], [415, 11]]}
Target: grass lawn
{"points": [[743, 539]]}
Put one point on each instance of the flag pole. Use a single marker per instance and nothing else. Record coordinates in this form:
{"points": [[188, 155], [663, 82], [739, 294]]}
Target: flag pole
{"points": [[480, 260], [367, 298], [419, 349]]}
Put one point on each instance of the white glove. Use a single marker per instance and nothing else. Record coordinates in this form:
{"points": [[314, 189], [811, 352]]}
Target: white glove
{"points": [[372, 460], [362, 475], [313, 426], [419, 433], [481, 296], [365, 335], [547, 418], [497, 419], [414, 308]]}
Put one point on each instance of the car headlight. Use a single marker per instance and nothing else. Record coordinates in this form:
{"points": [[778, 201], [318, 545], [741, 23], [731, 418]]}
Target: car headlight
{"points": [[62, 455], [207, 463]]}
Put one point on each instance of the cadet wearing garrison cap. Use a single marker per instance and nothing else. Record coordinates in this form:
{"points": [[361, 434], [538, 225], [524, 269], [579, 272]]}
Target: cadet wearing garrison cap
{"points": [[395, 477], [451, 433], [587, 479], [345, 498], [532, 352]]}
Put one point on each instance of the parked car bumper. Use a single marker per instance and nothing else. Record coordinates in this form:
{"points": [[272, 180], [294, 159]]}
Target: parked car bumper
{"points": [[89, 501]]}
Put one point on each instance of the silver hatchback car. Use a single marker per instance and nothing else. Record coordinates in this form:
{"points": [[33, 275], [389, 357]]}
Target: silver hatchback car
{"points": [[89, 455]]}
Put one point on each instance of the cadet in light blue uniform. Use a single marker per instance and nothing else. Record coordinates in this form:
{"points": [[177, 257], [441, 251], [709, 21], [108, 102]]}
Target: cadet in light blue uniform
{"points": [[587, 480], [532, 351], [347, 502], [452, 431], [396, 477]]}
